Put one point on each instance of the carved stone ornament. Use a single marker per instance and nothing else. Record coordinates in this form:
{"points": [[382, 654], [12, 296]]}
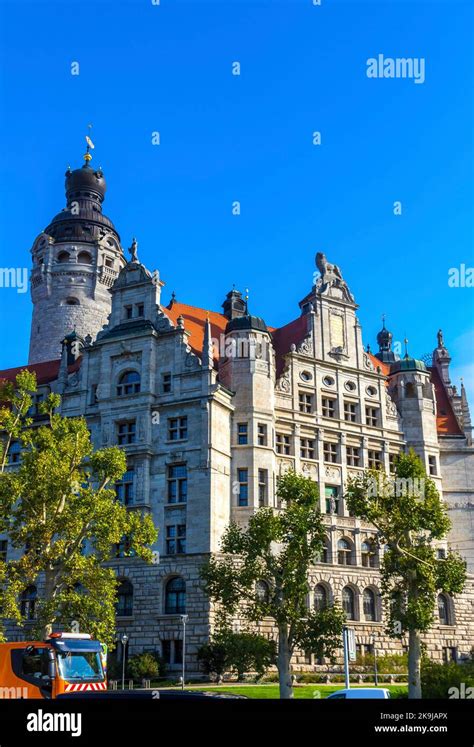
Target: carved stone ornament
{"points": [[284, 382]]}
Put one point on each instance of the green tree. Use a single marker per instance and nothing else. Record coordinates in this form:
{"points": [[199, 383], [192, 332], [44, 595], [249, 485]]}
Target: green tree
{"points": [[59, 507], [264, 573], [407, 511]]}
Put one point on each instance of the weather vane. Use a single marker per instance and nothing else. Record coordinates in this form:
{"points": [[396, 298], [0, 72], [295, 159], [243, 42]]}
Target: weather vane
{"points": [[90, 146]]}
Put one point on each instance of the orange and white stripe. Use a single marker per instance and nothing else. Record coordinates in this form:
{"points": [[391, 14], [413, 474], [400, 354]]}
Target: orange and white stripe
{"points": [[70, 688]]}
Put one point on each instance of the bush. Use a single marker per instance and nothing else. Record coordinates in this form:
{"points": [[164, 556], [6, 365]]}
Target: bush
{"points": [[214, 659], [143, 666], [438, 679], [237, 652]]}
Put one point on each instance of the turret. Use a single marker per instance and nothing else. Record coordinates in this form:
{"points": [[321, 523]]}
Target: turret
{"points": [[76, 259]]}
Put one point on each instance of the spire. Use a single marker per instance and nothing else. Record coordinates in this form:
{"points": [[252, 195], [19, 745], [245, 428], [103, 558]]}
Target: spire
{"points": [[207, 347], [405, 341], [384, 340]]}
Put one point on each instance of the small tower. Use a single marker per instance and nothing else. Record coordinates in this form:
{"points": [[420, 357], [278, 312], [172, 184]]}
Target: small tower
{"points": [[411, 388], [75, 261], [384, 340]]}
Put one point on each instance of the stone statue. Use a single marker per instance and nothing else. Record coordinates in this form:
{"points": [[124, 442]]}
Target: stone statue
{"points": [[440, 338], [133, 250], [327, 270]]}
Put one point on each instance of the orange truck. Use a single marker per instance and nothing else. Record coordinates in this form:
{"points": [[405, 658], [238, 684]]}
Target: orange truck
{"points": [[63, 663]]}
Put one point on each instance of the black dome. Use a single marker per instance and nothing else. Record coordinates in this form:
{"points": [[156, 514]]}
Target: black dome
{"points": [[246, 322], [85, 180]]}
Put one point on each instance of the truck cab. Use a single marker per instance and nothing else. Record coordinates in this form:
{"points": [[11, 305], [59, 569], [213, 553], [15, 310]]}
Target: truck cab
{"points": [[62, 663]]}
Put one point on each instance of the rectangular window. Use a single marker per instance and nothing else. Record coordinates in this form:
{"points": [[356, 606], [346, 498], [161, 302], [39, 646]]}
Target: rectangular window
{"points": [[243, 480], [128, 312], [124, 487], [432, 465], [166, 383], [262, 487], [391, 462], [178, 651], [350, 412], [3, 550], [307, 448], [330, 452], [176, 539], [372, 416], [450, 653], [262, 434], [331, 494], [140, 309], [353, 456], [374, 459], [178, 428], [177, 483], [94, 394], [328, 407], [242, 434], [126, 433], [305, 402], [283, 444]]}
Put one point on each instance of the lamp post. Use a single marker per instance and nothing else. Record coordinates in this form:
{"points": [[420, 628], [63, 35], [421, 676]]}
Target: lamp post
{"points": [[375, 664], [124, 640], [184, 619]]}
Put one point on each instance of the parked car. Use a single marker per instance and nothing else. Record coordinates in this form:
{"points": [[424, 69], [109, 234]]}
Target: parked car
{"points": [[361, 692]]}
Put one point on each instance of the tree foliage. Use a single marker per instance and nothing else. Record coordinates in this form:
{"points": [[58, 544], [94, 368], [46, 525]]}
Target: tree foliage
{"points": [[407, 511], [263, 573], [59, 510]]}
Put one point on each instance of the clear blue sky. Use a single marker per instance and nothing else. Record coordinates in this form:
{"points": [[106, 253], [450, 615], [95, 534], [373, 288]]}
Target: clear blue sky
{"points": [[167, 68]]}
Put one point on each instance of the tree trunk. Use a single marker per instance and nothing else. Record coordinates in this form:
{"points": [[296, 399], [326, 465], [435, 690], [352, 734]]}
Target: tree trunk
{"points": [[414, 659], [49, 589], [283, 663]]}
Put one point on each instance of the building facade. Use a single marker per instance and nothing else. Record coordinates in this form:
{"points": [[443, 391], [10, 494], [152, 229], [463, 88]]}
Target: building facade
{"points": [[212, 407]]}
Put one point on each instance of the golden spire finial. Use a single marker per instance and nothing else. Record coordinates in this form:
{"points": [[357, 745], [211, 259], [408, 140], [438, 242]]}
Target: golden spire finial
{"points": [[90, 146]]}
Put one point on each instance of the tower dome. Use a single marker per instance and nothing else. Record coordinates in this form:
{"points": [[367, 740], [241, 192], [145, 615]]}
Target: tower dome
{"points": [[384, 340], [76, 259]]}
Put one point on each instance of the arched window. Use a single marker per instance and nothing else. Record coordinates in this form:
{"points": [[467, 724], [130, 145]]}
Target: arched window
{"points": [[369, 557], [323, 556], [84, 258], [72, 301], [344, 552], [443, 610], [28, 603], [320, 598], [369, 605], [14, 453], [262, 591], [175, 596], [63, 257], [124, 605], [129, 383], [348, 602]]}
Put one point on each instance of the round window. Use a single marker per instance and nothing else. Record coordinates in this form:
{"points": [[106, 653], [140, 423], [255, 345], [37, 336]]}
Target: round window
{"points": [[328, 381], [306, 375], [350, 386], [371, 391]]}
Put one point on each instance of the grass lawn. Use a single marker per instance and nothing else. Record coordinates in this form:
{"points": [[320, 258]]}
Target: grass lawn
{"points": [[301, 691]]}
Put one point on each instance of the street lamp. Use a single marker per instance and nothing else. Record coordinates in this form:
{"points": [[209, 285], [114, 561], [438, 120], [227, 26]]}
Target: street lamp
{"points": [[375, 663], [184, 619], [124, 640]]}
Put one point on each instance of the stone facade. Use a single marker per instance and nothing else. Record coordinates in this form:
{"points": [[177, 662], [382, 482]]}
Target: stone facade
{"points": [[211, 408]]}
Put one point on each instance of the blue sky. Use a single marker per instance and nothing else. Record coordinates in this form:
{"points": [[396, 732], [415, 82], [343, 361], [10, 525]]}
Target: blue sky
{"points": [[168, 68]]}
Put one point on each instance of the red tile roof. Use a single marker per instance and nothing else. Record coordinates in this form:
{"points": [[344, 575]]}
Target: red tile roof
{"points": [[284, 337], [45, 372], [446, 421]]}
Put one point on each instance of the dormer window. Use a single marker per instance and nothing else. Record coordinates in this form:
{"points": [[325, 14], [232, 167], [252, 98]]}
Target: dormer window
{"points": [[84, 258], [63, 257], [109, 262]]}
